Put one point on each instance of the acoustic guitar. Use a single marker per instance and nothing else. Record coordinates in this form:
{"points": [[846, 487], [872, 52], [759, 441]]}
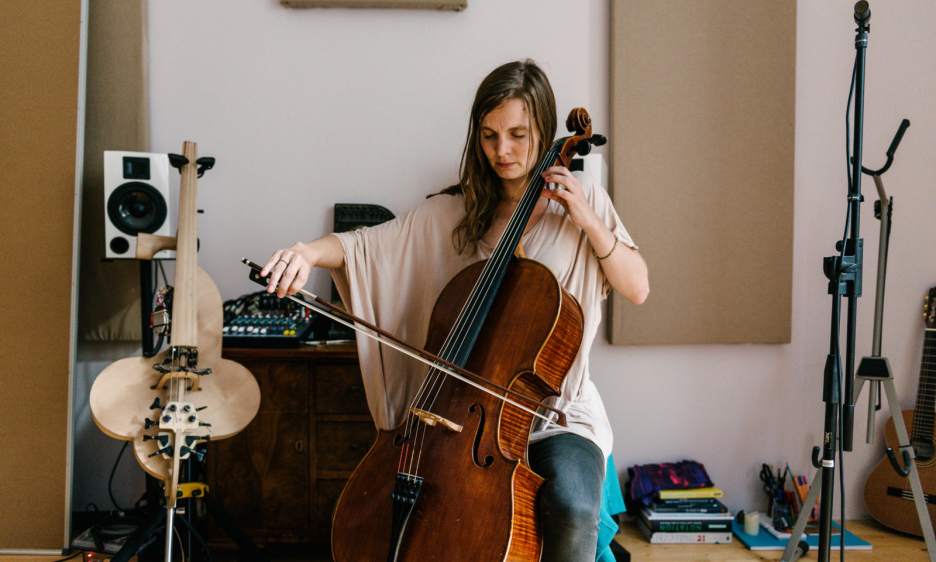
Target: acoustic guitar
{"points": [[887, 494]]}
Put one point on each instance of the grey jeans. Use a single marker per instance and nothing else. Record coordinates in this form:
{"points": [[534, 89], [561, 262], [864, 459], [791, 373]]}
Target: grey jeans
{"points": [[570, 502]]}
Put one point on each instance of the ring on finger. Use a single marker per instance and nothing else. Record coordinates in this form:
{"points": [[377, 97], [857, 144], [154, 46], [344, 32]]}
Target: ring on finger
{"points": [[282, 260]]}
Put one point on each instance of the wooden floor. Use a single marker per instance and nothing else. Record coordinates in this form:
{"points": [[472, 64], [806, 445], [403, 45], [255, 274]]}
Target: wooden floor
{"points": [[888, 546]]}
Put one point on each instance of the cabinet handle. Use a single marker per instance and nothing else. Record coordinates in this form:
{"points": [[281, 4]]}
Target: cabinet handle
{"points": [[299, 446]]}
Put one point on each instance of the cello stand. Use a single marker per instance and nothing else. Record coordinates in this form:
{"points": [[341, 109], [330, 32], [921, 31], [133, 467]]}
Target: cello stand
{"points": [[187, 493]]}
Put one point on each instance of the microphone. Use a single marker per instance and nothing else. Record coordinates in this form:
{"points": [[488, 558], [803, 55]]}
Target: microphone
{"points": [[862, 13]]}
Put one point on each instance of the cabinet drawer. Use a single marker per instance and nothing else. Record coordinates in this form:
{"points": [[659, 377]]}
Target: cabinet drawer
{"points": [[284, 386], [342, 445], [339, 389], [261, 475]]}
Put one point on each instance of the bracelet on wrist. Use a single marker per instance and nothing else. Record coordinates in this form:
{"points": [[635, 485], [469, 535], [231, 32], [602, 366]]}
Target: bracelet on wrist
{"points": [[599, 258]]}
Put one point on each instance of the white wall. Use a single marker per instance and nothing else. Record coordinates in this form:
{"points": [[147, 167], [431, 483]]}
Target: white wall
{"points": [[307, 108]]}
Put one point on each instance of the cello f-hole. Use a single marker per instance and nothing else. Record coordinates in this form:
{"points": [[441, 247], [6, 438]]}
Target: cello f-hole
{"points": [[489, 459]]}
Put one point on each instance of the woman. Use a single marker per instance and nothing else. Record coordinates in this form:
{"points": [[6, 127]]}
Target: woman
{"points": [[391, 275]]}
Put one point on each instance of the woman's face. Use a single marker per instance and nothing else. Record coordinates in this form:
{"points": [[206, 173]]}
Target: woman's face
{"points": [[509, 144]]}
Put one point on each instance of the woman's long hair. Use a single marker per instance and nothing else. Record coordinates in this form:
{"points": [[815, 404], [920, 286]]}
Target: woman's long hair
{"points": [[478, 182]]}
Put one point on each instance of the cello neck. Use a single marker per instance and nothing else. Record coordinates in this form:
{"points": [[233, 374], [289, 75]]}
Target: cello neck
{"points": [[466, 331], [184, 321]]}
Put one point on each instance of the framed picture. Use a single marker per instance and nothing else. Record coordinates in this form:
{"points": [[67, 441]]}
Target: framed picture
{"points": [[456, 5]]}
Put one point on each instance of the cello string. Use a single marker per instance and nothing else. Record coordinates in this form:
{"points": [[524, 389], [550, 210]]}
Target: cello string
{"points": [[471, 309], [479, 294], [496, 262], [501, 255], [472, 306]]}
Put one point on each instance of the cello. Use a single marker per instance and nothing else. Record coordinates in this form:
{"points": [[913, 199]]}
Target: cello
{"points": [[189, 407], [452, 481]]}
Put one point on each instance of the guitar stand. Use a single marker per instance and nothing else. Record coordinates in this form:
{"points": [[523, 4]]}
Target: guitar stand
{"points": [[189, 491]]}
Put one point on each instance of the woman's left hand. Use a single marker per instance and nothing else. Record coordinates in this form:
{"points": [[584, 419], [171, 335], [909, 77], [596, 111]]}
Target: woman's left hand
{"points": [[571, 198]]}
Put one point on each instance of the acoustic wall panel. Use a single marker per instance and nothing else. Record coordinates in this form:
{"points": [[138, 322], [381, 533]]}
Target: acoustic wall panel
{"points": [[702, 107], [41, 112], [117, 119]]}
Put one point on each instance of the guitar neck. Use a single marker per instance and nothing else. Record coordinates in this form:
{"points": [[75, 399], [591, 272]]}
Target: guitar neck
{"points": [[926, 392], [184, 320]]}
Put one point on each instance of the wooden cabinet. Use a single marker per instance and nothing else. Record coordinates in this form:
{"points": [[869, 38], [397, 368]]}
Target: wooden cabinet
{"points": [[280, 477]]}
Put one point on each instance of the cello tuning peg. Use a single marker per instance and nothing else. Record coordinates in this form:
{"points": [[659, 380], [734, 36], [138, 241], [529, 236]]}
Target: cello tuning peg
{"points": [[203, 424], [599, 140], [165, 450], [177, 161], [200, 409], [156, 405], [148, 423], [196, 452], [583, 147], [205, 163], [163, 439], [191, 439]]}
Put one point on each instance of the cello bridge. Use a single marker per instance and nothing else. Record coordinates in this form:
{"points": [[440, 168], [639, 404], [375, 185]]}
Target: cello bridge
{"points": [[431, 419]]}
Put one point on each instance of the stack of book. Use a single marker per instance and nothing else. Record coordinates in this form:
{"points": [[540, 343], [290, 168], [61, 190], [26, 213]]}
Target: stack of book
{"points": [[693, 515]]}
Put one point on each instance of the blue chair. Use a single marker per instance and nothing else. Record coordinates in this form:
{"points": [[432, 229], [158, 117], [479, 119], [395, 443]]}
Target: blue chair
{"points": [[612, 503]]}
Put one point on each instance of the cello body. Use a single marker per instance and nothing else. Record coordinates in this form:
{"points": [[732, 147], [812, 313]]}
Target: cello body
{"points": [[478, 501], [168, 403], [122, 393]]}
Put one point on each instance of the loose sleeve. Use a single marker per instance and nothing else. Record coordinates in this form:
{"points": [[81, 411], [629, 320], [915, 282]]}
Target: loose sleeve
{"points": [[601, 202], [383, 281]]}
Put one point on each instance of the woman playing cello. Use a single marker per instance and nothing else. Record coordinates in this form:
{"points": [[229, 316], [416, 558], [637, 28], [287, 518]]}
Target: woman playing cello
{"points": [[391, 275]]}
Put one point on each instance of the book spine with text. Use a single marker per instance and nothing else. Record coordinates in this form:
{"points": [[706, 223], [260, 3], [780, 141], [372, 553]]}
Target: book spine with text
{"points": [[711, 492], [660, 537], [689, 526]]}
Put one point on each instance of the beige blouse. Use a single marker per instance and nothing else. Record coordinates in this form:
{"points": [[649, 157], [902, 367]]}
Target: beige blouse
{"points": [[394, 272]]}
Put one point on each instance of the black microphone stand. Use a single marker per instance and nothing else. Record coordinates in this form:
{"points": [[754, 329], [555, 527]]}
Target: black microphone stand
{"points": [[844, 274]]}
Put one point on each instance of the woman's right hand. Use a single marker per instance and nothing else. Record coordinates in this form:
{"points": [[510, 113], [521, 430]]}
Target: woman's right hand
{"points": [[288, 269]]}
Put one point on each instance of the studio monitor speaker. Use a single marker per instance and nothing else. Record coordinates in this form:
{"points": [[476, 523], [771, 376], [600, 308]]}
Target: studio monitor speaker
{"points": [[136, 199]]}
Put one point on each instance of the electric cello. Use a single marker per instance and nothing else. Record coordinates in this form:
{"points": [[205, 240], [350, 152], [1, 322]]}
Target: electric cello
{"points": [[168, 404], [452, 481]]}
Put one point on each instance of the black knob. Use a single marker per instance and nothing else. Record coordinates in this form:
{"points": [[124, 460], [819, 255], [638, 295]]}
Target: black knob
{"points": [[177, 161], [583, 147], [187, 408], [167, 418], [150, 437], [173, 407], [167, 450], [148, 423], [598, 140], [197, 453], [156, 405], [193, 418]]}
